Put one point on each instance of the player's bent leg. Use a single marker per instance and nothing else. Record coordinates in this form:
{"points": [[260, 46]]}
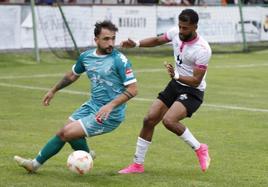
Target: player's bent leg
{"points": [[72, 131], [52, 147], [142, 145], [172, 117], [154, 116], [79, 144], [203, 157]]}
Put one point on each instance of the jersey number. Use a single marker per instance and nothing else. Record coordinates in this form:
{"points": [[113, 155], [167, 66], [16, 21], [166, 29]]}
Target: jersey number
{"points": [[179, 59]]}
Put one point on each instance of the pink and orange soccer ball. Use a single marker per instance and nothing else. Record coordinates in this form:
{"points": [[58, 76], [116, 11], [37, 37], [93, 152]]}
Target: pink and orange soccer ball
{"points": [[80, 162]]}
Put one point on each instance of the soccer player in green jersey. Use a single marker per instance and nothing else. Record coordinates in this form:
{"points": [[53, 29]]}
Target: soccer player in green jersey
{"points": [[112, 84]]}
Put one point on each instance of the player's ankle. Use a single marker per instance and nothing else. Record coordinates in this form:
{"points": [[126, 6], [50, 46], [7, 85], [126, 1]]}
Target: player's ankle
{"points": [[36, 164]]}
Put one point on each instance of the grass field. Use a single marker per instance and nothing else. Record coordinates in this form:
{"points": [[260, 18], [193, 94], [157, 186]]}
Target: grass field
{"points": [[233, 121]]}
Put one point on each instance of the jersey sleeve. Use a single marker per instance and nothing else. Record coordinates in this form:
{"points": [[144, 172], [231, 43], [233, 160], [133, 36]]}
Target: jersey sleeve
{"points": [[124, 69], [79, 67], [169, 35], [202, 58]]}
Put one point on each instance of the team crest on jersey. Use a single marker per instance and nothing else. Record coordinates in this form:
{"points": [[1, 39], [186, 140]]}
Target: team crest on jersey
{"points": [[129, 73]]}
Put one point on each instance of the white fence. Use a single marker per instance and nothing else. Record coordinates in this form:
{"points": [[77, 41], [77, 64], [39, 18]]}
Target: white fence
{"points": [[217, 24]]}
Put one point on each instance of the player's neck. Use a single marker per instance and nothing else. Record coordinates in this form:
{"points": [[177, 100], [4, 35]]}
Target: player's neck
{"points": [[100, 53]]}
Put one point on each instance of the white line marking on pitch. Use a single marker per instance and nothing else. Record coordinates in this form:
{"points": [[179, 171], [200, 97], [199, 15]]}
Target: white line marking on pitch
{"points": [[240, 66], [32, 76], [137, 99], [137, 71]]}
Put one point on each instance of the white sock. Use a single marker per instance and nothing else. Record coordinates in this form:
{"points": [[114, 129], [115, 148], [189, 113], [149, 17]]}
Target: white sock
{"points": [[36, 164], [188, 137], [141, 149]]}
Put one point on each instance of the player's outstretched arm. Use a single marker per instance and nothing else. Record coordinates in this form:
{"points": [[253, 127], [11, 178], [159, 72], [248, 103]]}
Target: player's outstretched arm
{"points": [[68, 79], [129, 43], [147, 42]]}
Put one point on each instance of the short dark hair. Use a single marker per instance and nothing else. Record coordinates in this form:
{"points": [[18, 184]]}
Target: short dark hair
{"points": [[189, 15], [104, 24]]}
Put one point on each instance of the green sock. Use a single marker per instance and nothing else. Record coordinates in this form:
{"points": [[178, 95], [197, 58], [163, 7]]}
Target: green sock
{"points": [[52, 147], [79, 144]]}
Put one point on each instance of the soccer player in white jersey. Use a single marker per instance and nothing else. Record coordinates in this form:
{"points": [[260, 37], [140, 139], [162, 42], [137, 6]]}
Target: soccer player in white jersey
{"points": [[184, 93], [112, 84]]}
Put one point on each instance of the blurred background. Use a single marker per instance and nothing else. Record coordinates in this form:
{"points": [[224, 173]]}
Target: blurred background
{"points": [[65, 27]]}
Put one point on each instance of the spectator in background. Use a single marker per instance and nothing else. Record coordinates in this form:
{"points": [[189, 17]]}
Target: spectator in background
{"points": [[72, 1], [51, 2], [255, 1], [245, 2], [188, 2], [148, 1], [170, 2], [47, 2], [178, 2]]}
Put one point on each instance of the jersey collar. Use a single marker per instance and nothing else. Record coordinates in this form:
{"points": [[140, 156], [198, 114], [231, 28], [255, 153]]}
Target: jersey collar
{"points": [[100, 56], [189, 42]]}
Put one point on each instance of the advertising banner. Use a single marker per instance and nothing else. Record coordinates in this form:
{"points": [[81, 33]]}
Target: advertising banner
{"points": [[133, 21], [9, 27], [216, 24], [220, 25], [51, 30], [264, 24], [252, 19], [213, 24]]}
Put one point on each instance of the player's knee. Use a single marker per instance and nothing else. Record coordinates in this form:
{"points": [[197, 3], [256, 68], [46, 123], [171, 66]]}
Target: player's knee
{"points": [[149, 121], [168, 123], [63, 135]]}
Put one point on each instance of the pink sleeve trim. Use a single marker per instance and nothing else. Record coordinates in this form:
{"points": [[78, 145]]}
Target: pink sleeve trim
{"points": [[201, 66], [165, 36]]}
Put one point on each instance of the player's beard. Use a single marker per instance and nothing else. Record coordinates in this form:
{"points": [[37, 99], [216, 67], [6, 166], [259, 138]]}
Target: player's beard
{"points": [[185, 38], [107, 50]]}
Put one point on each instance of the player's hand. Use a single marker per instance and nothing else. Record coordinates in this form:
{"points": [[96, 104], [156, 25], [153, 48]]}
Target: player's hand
{"points": [[47, 98], [170, 69], [103, 113], [128, 43]]}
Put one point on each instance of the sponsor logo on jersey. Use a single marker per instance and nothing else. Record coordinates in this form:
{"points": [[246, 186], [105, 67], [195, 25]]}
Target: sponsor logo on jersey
{"points": [[129, 73]]}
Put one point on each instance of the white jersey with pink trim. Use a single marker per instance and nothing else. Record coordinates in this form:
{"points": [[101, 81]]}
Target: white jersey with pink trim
{"points": [[188, 55]]}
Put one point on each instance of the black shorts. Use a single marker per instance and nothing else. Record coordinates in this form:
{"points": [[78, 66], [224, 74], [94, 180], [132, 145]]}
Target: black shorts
{"points": [[190, 97]]}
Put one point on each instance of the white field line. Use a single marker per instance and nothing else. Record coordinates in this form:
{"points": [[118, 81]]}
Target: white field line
{"points": [[137, 71], [32, 76], [42, 89], [229, 107], [240, 66], [219, 106]]}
